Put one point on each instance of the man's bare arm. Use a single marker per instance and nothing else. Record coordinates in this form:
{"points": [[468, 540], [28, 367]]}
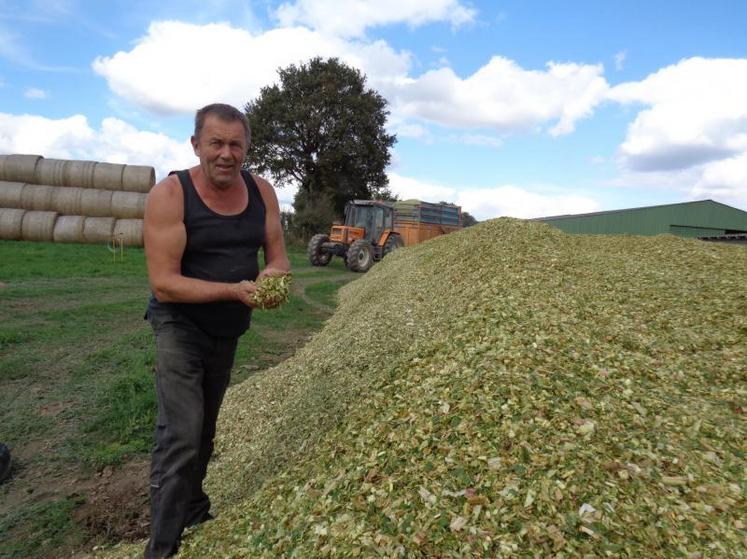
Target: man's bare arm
{"points": [[165, 240], [276, 258]]}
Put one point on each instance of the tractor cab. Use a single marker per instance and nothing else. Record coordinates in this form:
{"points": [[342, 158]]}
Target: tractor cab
{"points": [[364, 219], [371, 216]]}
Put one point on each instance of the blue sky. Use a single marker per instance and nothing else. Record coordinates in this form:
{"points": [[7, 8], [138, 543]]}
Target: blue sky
{"points": [[522, 108]]}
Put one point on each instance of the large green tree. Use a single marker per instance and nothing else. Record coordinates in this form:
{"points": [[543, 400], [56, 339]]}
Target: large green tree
{"points": [[322, 128]]}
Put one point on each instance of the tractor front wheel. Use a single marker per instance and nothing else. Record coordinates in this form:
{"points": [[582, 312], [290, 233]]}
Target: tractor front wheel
{"points": [[360, 256], [317, 256]]}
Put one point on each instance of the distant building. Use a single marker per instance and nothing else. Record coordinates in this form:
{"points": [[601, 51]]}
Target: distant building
{"points": [[701, 219]]}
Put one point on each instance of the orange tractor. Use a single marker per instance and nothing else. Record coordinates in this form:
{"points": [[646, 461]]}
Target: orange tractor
{"points": [[374, 228]]}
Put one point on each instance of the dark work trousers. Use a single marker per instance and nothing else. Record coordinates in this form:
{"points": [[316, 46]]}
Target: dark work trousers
{"points": [[192, 372]]}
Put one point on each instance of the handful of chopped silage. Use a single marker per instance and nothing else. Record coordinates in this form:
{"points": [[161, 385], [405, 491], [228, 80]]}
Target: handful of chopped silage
{"points": [[272, 291]]}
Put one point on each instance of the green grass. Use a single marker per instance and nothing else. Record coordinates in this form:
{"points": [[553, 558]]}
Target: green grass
{"points": [[77, 367], [325, 292], [50, 522], [24, 260]]}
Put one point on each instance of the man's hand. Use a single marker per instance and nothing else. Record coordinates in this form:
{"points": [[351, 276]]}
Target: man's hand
{"points": [[244, 291], [270, 271]]}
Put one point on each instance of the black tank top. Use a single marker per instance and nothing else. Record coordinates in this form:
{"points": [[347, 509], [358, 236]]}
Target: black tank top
{"points": [[220, 248]]}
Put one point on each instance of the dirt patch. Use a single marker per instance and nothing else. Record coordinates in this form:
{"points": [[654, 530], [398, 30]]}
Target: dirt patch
{"points": [[117, 503], [114, 502]]}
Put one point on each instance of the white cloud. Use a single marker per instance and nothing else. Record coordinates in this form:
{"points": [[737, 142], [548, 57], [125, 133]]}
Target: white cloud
{"points": [[351, 18], [35, 93], [513, 201], [620, 59], [408, 188], [73, 138], [503, 96], [695, 119], [408, 130], [477, 140], [487, 203], [696, 114], [171, 71], [725, 181]]}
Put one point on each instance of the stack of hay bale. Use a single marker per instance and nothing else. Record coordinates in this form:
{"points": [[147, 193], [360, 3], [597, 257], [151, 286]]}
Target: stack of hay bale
{"points": [[72, 201]]}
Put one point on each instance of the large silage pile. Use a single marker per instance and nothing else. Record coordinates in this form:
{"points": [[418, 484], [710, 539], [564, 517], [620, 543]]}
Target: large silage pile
{"points": [[505, 391]]}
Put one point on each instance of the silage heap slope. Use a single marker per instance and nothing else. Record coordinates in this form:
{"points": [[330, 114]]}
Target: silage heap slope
{"points": [[504, 389]]}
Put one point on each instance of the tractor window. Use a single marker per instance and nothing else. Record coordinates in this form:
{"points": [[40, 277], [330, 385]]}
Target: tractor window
{"points": [[388, 220], [363, 217], [355, 216], [378, 219]]}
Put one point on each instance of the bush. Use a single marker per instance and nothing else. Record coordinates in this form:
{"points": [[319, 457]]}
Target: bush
{"points": [[312, 216]]}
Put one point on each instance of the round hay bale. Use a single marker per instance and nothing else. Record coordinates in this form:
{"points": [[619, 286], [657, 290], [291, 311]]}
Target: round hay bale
{"points": [[80, 173], [51, 171], [96, 203], [11, 221], [98, 229], [66, 200], [69, 229], [38, 226], [10, 194], [129, 231], [18, 167], [138, 178], [37, 197], [128, 205], [108, 176]]}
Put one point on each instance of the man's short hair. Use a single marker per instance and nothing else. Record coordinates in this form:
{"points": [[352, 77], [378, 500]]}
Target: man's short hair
{"points": [[226, 113]]}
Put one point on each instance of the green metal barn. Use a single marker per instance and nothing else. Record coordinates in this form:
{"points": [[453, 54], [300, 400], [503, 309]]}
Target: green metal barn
{"points": [[701, 219]]}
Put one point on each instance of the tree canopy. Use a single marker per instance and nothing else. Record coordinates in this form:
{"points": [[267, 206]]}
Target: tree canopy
{"points": [[468, 220], [322, 128]]}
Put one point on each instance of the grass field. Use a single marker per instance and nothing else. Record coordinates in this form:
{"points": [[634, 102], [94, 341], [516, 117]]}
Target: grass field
{"points": [[76, 378]]}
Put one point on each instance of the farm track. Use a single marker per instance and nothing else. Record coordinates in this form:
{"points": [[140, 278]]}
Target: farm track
{"points": [[307, 282]]}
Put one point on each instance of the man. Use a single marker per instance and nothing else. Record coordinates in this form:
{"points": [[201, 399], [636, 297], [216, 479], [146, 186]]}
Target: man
{"points": [[203, 228]]}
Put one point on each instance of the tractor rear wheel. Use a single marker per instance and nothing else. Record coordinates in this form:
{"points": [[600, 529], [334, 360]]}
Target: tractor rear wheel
{"points": [[360, 256], [317, 256], [392, 243]]}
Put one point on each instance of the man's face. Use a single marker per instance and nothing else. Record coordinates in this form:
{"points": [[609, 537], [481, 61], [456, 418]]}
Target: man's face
{"points": [[221, 148]]}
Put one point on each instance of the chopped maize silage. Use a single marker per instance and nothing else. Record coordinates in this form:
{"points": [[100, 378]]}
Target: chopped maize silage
{"points": [[508, 390], [272, 291]]}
